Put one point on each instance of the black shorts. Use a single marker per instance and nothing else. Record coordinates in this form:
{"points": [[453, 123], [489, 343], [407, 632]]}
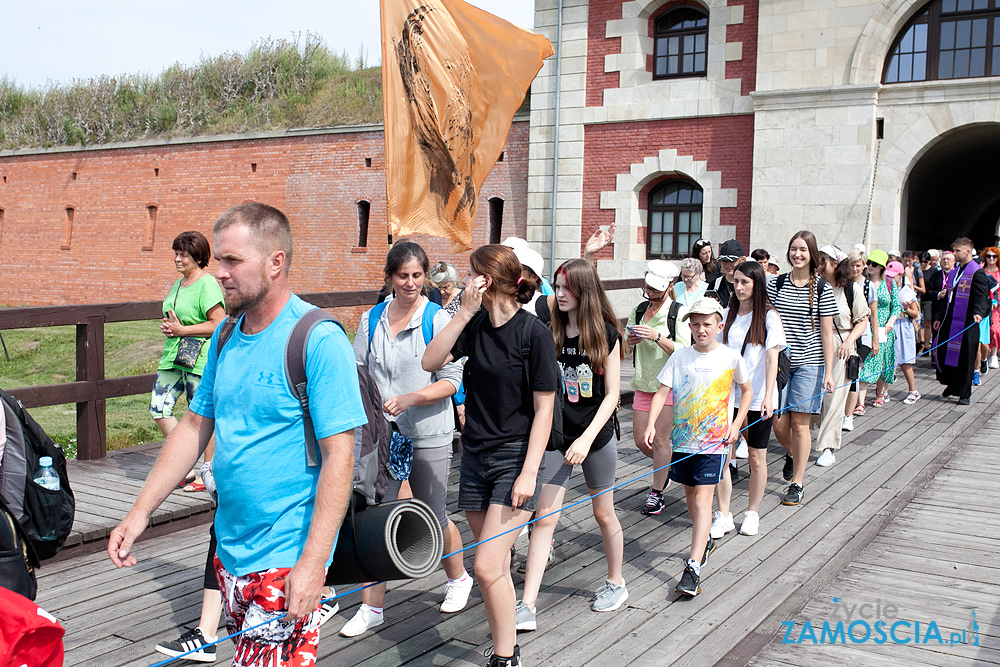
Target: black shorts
{"points": [[696, 469], [487, 477], [758, 433]]}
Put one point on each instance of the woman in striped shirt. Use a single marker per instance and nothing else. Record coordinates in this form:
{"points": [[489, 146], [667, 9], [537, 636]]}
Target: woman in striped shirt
{"points": [[806, 305]]}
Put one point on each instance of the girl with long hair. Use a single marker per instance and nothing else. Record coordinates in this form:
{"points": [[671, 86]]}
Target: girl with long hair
{"points": [[880, 367], [753, 327], [589, 349], [807, 308], [418, 403], [848, 326], [509, 406], [703, 252]]}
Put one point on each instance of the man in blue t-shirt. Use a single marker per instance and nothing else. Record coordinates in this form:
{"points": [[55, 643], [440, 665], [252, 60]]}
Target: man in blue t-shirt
{"points": [[278, 518]]}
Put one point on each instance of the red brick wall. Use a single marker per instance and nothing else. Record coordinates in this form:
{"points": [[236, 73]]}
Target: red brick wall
{"points": [[724, 142], [315, 179], [598, 46]]}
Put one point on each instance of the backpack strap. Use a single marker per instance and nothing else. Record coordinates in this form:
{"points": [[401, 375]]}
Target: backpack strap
{"points": [[373, 317], [526, 350], [640, 311], [426, 322], [295, 372], [227, 332], [782, 279], [672, 320]]}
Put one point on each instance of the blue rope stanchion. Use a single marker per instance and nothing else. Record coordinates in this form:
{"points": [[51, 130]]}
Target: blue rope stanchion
{"points": [[561, 509]]}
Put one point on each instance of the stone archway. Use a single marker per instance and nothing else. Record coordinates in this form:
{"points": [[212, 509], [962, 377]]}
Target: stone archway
{"points": [[951, 190]]}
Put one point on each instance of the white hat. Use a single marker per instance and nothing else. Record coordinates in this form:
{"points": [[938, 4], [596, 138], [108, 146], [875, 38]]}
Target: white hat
{"points": [[706, 305], [529, 258], [659, 274], [514, 242], [833, 251]]}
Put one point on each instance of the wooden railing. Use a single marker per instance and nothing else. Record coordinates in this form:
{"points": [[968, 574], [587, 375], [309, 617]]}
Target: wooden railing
{"points": [[91, 389]]}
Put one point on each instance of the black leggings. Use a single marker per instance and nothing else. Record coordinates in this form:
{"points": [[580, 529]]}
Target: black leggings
{"points": [[211, 583]]}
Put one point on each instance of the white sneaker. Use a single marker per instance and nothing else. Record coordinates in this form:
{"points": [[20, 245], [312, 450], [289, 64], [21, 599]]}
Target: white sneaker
{"points": [[721, 524], [751, 523], [363, 620], [848, 423], [826, 458], [994, 362], [456, 594], [742, 450], [328, 610]]}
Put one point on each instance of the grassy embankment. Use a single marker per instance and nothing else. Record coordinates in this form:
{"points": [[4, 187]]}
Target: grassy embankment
{"points": [[48, 356]]}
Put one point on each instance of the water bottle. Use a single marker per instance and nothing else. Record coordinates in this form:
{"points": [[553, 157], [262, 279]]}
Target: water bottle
{"points": [[48, 478]]}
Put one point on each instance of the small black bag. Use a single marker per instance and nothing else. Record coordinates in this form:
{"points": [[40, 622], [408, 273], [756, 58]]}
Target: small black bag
{"points": [[188, 350], [853, 367]]}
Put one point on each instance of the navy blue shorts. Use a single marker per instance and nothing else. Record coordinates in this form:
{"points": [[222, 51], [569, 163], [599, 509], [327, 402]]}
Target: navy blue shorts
{"points": [[696, 469], [487, 477]]}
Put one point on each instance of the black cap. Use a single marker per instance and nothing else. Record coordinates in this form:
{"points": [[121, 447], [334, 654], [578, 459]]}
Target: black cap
{"points": [[731, 251]]}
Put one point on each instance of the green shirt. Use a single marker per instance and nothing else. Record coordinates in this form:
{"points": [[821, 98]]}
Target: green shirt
{"points": [[649, 356], [191, 304]]}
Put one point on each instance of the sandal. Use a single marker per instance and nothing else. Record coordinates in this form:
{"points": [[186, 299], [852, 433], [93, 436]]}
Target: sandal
{"points": [[194, 486], [878, 402], [859, 410], [187, 480], [885, 397], [911, 397]]}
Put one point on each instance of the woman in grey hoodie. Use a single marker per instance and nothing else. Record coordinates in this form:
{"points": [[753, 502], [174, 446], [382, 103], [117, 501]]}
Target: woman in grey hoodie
{"points": [[391, 340]]}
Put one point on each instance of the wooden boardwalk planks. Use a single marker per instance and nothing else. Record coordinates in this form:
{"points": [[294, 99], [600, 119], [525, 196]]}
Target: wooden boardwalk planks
{"points": [[750, 584]]}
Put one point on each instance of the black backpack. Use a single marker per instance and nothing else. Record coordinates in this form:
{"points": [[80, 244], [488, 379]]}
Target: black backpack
{"points": [[38, 511], [371, 441]]}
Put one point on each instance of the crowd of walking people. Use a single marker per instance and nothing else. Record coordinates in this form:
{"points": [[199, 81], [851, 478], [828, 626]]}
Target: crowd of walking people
{"points": [[725, 349]]}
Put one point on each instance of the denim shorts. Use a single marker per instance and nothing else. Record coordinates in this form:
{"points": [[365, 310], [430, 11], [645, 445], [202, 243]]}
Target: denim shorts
{"points": [[697, 469], [487, 477], [804, 391]]}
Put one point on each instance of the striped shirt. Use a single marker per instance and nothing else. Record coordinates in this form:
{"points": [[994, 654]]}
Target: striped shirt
{"points": [[802, 324]]}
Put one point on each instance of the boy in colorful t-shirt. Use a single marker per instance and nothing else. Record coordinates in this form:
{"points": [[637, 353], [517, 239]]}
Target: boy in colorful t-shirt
{"points": [[701, 378]]}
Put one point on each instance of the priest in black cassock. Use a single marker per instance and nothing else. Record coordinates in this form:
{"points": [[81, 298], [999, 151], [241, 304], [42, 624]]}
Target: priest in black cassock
{"points": [[968, 302]]}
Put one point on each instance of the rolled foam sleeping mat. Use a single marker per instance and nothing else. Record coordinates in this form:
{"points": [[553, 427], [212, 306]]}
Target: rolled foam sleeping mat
{"points": [[401, 539]]}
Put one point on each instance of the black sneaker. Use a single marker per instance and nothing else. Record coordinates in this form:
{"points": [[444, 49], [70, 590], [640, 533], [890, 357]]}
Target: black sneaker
{"points": [[690, 583], [514, 661], [189, 641], [654, 503], [709, 549], [787, 470], [793, 496], [984, 366]]}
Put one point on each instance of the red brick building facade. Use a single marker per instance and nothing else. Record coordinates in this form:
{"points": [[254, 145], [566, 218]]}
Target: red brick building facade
{"points": [[96, 224]]}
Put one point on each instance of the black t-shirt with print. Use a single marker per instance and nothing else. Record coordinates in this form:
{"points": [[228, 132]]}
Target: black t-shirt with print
{"points": [[499, 407], [583, 390]]}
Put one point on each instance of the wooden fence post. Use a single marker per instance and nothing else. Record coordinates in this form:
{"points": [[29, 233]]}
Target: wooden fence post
{"points": [[91, 431]]}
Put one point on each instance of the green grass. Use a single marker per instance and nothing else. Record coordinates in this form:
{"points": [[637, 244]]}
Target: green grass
{"points": [[48, 356]]}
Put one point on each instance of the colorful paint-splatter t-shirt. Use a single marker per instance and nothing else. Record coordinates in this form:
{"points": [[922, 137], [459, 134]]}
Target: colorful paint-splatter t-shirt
{"points": [[702, 383]]}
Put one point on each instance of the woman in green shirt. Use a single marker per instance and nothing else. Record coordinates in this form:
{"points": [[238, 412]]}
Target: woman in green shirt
{"points": [[193, 308], [653, 335]]}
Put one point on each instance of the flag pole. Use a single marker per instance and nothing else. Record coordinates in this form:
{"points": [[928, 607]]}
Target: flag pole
{"points": [[555, 138]]}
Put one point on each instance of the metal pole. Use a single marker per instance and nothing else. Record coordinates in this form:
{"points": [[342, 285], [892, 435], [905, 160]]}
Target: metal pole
{"points": [[555, 137]]}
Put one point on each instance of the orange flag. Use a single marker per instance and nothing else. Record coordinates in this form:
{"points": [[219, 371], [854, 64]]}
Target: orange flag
{"points": [[452, 78]]}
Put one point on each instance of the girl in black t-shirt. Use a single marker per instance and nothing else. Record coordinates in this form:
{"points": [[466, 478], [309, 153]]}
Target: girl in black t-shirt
{"points": [[508, 417], [588, 342]]}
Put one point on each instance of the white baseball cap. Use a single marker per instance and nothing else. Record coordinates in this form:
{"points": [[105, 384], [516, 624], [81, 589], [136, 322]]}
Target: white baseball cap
{"points": [[706, 305], [659, 274], [530, 258]]}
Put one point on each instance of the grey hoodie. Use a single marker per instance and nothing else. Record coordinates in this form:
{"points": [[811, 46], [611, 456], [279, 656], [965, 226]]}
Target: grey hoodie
{"points": [[395, 367]]}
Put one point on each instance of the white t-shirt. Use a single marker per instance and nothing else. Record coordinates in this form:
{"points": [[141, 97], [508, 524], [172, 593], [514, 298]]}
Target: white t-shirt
{"points": [[755, 355], [703, 398]]}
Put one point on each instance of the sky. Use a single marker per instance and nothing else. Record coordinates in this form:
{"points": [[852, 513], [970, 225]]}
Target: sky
{"points": [[58, 40]]}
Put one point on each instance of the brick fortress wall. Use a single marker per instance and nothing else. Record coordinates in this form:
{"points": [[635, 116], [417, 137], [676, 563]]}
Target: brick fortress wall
{"points": [[113, 246]]}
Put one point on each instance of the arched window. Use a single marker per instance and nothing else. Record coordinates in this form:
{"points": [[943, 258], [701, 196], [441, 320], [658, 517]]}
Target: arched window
{"points": [[680, 43], [496, 219], [674, 219], [947, 39], [364, 209]]}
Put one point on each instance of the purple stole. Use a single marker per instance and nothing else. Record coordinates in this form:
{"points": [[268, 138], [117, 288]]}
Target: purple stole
{"points": [[962, 289]]}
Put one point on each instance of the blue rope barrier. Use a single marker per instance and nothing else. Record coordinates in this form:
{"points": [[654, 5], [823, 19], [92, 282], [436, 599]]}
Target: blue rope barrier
{"points": [[561, 509]]}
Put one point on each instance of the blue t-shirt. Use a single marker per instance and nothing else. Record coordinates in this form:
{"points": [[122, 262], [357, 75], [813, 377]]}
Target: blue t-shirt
{"points": [[266, 490], [547, 288]]}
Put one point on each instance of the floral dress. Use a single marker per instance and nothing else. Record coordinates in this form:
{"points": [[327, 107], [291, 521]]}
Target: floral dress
{"points": [[882, 366]]}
